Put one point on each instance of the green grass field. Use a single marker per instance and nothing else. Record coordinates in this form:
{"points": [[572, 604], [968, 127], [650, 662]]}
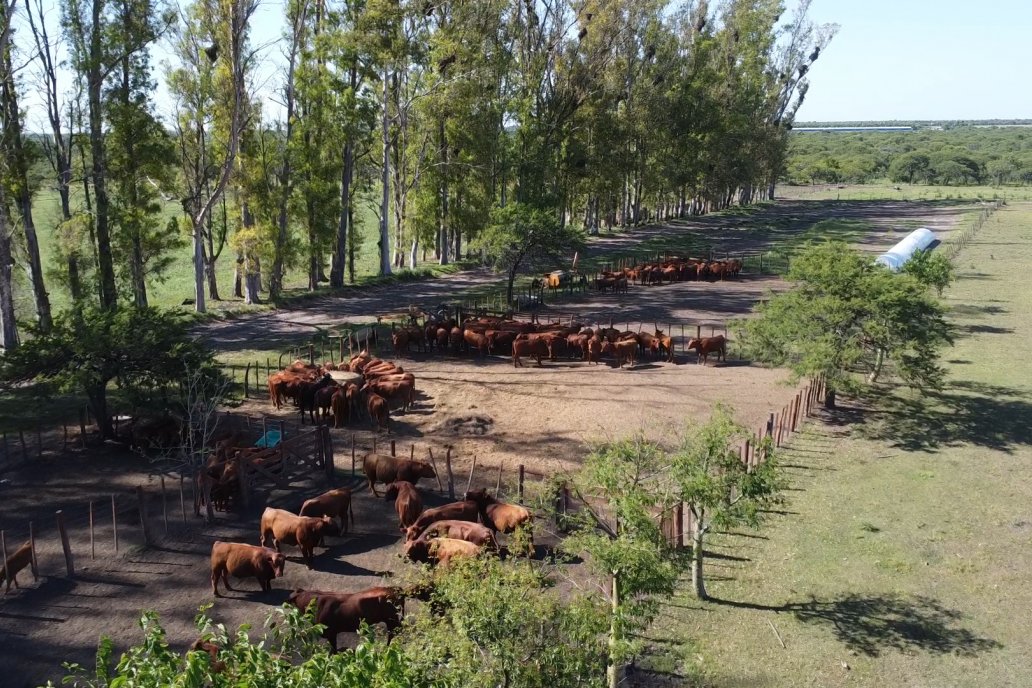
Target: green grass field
{"points": [[903, 192], [176, 284], [903, 556]]}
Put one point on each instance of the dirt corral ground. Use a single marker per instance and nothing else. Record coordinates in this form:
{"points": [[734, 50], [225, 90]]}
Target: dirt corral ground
{"points": [[540, 417]]}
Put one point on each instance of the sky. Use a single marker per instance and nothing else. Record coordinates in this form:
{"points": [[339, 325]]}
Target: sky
{"points": [[891, 59], [922, 59]]}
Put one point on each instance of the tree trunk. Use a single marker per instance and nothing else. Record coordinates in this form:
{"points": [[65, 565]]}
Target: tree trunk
{"points": [[614, 670], [385, 182], [136, 269], [8, 326], [238, 277], [442, 240], [879, 362], [97, 399], [341, 247], [213, 281], [829, 398], [198, 238], [698, 583], [351, 243], [414, 253], [94, 86]]}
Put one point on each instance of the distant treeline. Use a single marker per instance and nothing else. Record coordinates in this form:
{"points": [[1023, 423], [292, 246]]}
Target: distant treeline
{"points": [[954, 156], [922, 123]]}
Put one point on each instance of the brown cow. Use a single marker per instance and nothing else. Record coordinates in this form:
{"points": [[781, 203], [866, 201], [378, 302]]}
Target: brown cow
{"points": [[288, 529], [378, 411], [399, 392], [334, 503], [501, 517], [624, 350], [380, 468], [707, 345], [537, 348], [21, 558], [341, 612], [407, 501], [244, 561], [478, 341], [478, 534], [465, 510], [440, 550], [212, 650], [662, 342], [340, 406], [593, 349]]}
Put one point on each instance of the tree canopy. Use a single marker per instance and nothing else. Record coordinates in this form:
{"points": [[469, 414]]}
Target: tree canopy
{"points": [[141, 350], [845, 316]]}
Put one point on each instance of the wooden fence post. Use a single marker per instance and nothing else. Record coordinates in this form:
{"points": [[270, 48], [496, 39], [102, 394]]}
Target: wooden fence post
{"points": [[393, 449], [469, 483], [437, 473], [3, 548], [182, 498], [247, 376], [451, 477], [114, 522], [34, 562], [522, 468], [143, 514], [679, 524], [64, 544], [93, 541], [498, 482], [164, 506]]}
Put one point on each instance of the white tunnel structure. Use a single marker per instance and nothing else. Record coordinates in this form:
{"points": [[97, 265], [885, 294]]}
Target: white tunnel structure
{"points": [[898, 255]]}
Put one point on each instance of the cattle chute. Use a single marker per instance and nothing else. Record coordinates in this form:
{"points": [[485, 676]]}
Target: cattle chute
{"points": [[897, 256]]}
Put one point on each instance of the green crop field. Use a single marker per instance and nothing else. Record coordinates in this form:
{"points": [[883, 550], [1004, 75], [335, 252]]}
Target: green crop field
{"points": [[902, 557]]}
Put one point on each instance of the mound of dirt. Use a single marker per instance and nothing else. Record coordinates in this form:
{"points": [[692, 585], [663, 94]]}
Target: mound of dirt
{"points": [[466, 425]]}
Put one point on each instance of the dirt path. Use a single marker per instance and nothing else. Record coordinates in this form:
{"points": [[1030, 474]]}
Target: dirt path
{"points": [[746, 230]]}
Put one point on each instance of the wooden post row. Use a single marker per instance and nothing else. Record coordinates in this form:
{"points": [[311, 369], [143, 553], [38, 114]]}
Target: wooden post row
{"points": [[69, 564]]}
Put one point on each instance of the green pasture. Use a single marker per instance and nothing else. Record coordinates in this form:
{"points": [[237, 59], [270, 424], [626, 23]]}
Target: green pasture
{"points": [[902, 556], [888, 191]]}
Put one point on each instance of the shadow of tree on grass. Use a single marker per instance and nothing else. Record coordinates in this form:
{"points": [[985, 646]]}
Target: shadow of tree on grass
{"points": [[874, 624], [968, 412]]}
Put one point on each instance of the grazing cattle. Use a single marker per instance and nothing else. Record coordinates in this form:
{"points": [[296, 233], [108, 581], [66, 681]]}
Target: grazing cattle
{"points": [[440, 550], [624, 351], [307, 394], [244, 561], [212, 650], [577, 345], [455, 340], [304, 532], [465, 510], [341, 612], [407, 501], [537, 348], [478, 341], [402, 393], [593, 350], [323, 402], [707, 345], [284, 385], [478, 534], [378, 412], [380, 468], [334, 503], [340, 406], [501, 517], [663, 342], [21, 558]]}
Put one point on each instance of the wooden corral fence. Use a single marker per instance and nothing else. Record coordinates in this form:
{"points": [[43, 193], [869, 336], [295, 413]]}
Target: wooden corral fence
{"points": [[677, 522]]}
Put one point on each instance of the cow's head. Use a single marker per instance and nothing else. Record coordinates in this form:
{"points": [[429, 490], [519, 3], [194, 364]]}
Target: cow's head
{"points": [[277, 561], [417, 550], [425, 470], [391, 493], [326, 526], [411, 533], [607, 346], [693, 343], [479, 496]]}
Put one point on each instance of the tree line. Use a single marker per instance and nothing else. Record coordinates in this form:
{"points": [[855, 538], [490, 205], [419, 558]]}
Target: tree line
{"points": [[952, 156], [432, 113]]}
